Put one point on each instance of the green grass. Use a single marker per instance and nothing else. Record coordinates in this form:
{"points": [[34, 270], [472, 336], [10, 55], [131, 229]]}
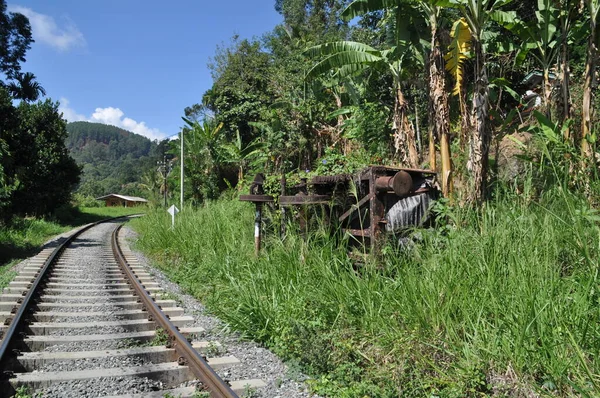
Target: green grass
{"points": [[24, 236], [502, 300]]}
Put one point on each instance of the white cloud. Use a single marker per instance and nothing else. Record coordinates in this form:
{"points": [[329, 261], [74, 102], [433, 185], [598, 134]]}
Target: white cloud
{"points": [[46, 30], [69, 113], [111, 116]]}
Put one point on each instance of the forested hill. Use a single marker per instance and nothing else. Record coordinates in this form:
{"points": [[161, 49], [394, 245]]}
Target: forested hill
{"points": [[113, 160]]}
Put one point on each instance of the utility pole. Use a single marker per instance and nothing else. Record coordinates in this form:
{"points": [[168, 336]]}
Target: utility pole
{"points": [[164, 168], [181, 193]]}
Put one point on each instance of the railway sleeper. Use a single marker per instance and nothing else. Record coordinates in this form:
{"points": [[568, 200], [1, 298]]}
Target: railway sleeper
{"points": [[29, 361], [71, 292], [238, 386], [136, 325], [56, 316], [107, 285], [7, 306], [39, 343], [170, 374]]}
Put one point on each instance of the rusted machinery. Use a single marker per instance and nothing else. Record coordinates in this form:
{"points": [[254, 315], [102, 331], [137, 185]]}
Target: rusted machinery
{"points": [[375, 201]]}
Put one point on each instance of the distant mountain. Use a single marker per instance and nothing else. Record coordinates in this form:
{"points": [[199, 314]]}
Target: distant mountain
{"points": [[113, 159]]}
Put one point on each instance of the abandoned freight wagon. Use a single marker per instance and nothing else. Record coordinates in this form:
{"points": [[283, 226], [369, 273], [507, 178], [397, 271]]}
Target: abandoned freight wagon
{"points": [[114, 200], [377, 200]]}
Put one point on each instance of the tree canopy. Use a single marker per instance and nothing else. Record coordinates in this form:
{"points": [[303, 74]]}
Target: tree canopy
{"points": [[37, 175], [405, 83]]}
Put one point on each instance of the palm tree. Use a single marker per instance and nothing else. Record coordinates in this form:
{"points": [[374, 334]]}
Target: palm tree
{"points": [[26, 88], [202, 157]]}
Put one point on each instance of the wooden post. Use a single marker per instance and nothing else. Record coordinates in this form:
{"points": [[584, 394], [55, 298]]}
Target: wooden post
{"points": [[283, 219], [376, 214]]}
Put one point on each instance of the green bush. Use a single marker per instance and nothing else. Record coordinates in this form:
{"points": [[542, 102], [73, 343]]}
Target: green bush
{"points": [[87, 201]]}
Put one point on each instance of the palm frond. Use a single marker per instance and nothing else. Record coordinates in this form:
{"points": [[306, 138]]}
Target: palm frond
{"points": [[348, 59], [362, 7], [351, 70], [337, 47]]}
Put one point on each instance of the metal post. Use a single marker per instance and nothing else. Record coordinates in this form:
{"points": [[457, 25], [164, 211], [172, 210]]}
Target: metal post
{"points": [[164, 169], [165, 179], [181, 193], [257, 228]]}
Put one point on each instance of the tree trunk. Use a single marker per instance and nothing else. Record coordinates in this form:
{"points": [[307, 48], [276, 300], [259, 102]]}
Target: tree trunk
{"points": [[465, 119], [546, 91], [480, 137], [590, 74], [565, 90], [339, 136], [404, 134], [565, 77], [439, 117], [432, 134]]}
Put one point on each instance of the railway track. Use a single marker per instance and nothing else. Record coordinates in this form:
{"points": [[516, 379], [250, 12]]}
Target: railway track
{"points": [[85, 319]]}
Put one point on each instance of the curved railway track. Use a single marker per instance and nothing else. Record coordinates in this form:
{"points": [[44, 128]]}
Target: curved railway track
{"points": [[85, 319]]}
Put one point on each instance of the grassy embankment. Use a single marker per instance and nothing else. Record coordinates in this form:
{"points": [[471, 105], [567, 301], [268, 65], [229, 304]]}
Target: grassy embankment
{"points": [[503, 300], [24, 237]]}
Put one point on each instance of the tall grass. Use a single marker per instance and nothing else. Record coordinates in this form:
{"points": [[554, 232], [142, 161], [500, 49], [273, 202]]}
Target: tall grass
{"points": [[504, 300]]}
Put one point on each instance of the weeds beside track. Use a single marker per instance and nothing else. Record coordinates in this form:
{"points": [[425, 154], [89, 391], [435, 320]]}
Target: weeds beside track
{"points": [[501, 300]]}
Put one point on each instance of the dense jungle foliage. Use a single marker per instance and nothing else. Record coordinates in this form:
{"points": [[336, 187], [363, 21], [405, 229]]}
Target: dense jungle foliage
{"points": [[113, 160], [434, 84]]}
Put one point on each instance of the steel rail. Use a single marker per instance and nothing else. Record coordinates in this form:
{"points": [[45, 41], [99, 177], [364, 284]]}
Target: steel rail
{"points": [[18, 320], [187, 354]]}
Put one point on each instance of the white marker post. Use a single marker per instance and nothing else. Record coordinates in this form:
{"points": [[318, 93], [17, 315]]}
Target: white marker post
{"points": [[257, 228], [172, 211]]}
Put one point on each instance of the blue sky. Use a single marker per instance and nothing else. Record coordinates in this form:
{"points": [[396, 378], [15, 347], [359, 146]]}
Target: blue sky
{"points": [[134, 63]]}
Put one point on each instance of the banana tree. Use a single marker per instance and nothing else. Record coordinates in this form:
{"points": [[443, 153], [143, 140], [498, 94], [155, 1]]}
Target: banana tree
{"points": [[348, 58], [203, 156], [540, 39], [439, 111], [459, 51], [238, 153], [593, 6], [477, 15], [567, 14]]}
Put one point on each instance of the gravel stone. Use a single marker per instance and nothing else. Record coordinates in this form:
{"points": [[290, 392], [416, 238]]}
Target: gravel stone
{"points": [[100, 387]]}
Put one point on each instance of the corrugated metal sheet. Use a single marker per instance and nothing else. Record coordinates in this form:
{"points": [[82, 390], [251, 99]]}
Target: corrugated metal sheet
{"points": [[409, 212], [128, 198]]}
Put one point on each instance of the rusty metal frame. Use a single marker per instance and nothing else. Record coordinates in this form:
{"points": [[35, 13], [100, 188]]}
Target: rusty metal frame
{"points": [[356, 207], [188, 355], [375, 185]]}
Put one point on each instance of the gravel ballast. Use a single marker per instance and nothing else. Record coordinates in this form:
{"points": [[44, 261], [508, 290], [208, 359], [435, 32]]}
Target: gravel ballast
{"points": [[256, 362], [89, 252]]}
